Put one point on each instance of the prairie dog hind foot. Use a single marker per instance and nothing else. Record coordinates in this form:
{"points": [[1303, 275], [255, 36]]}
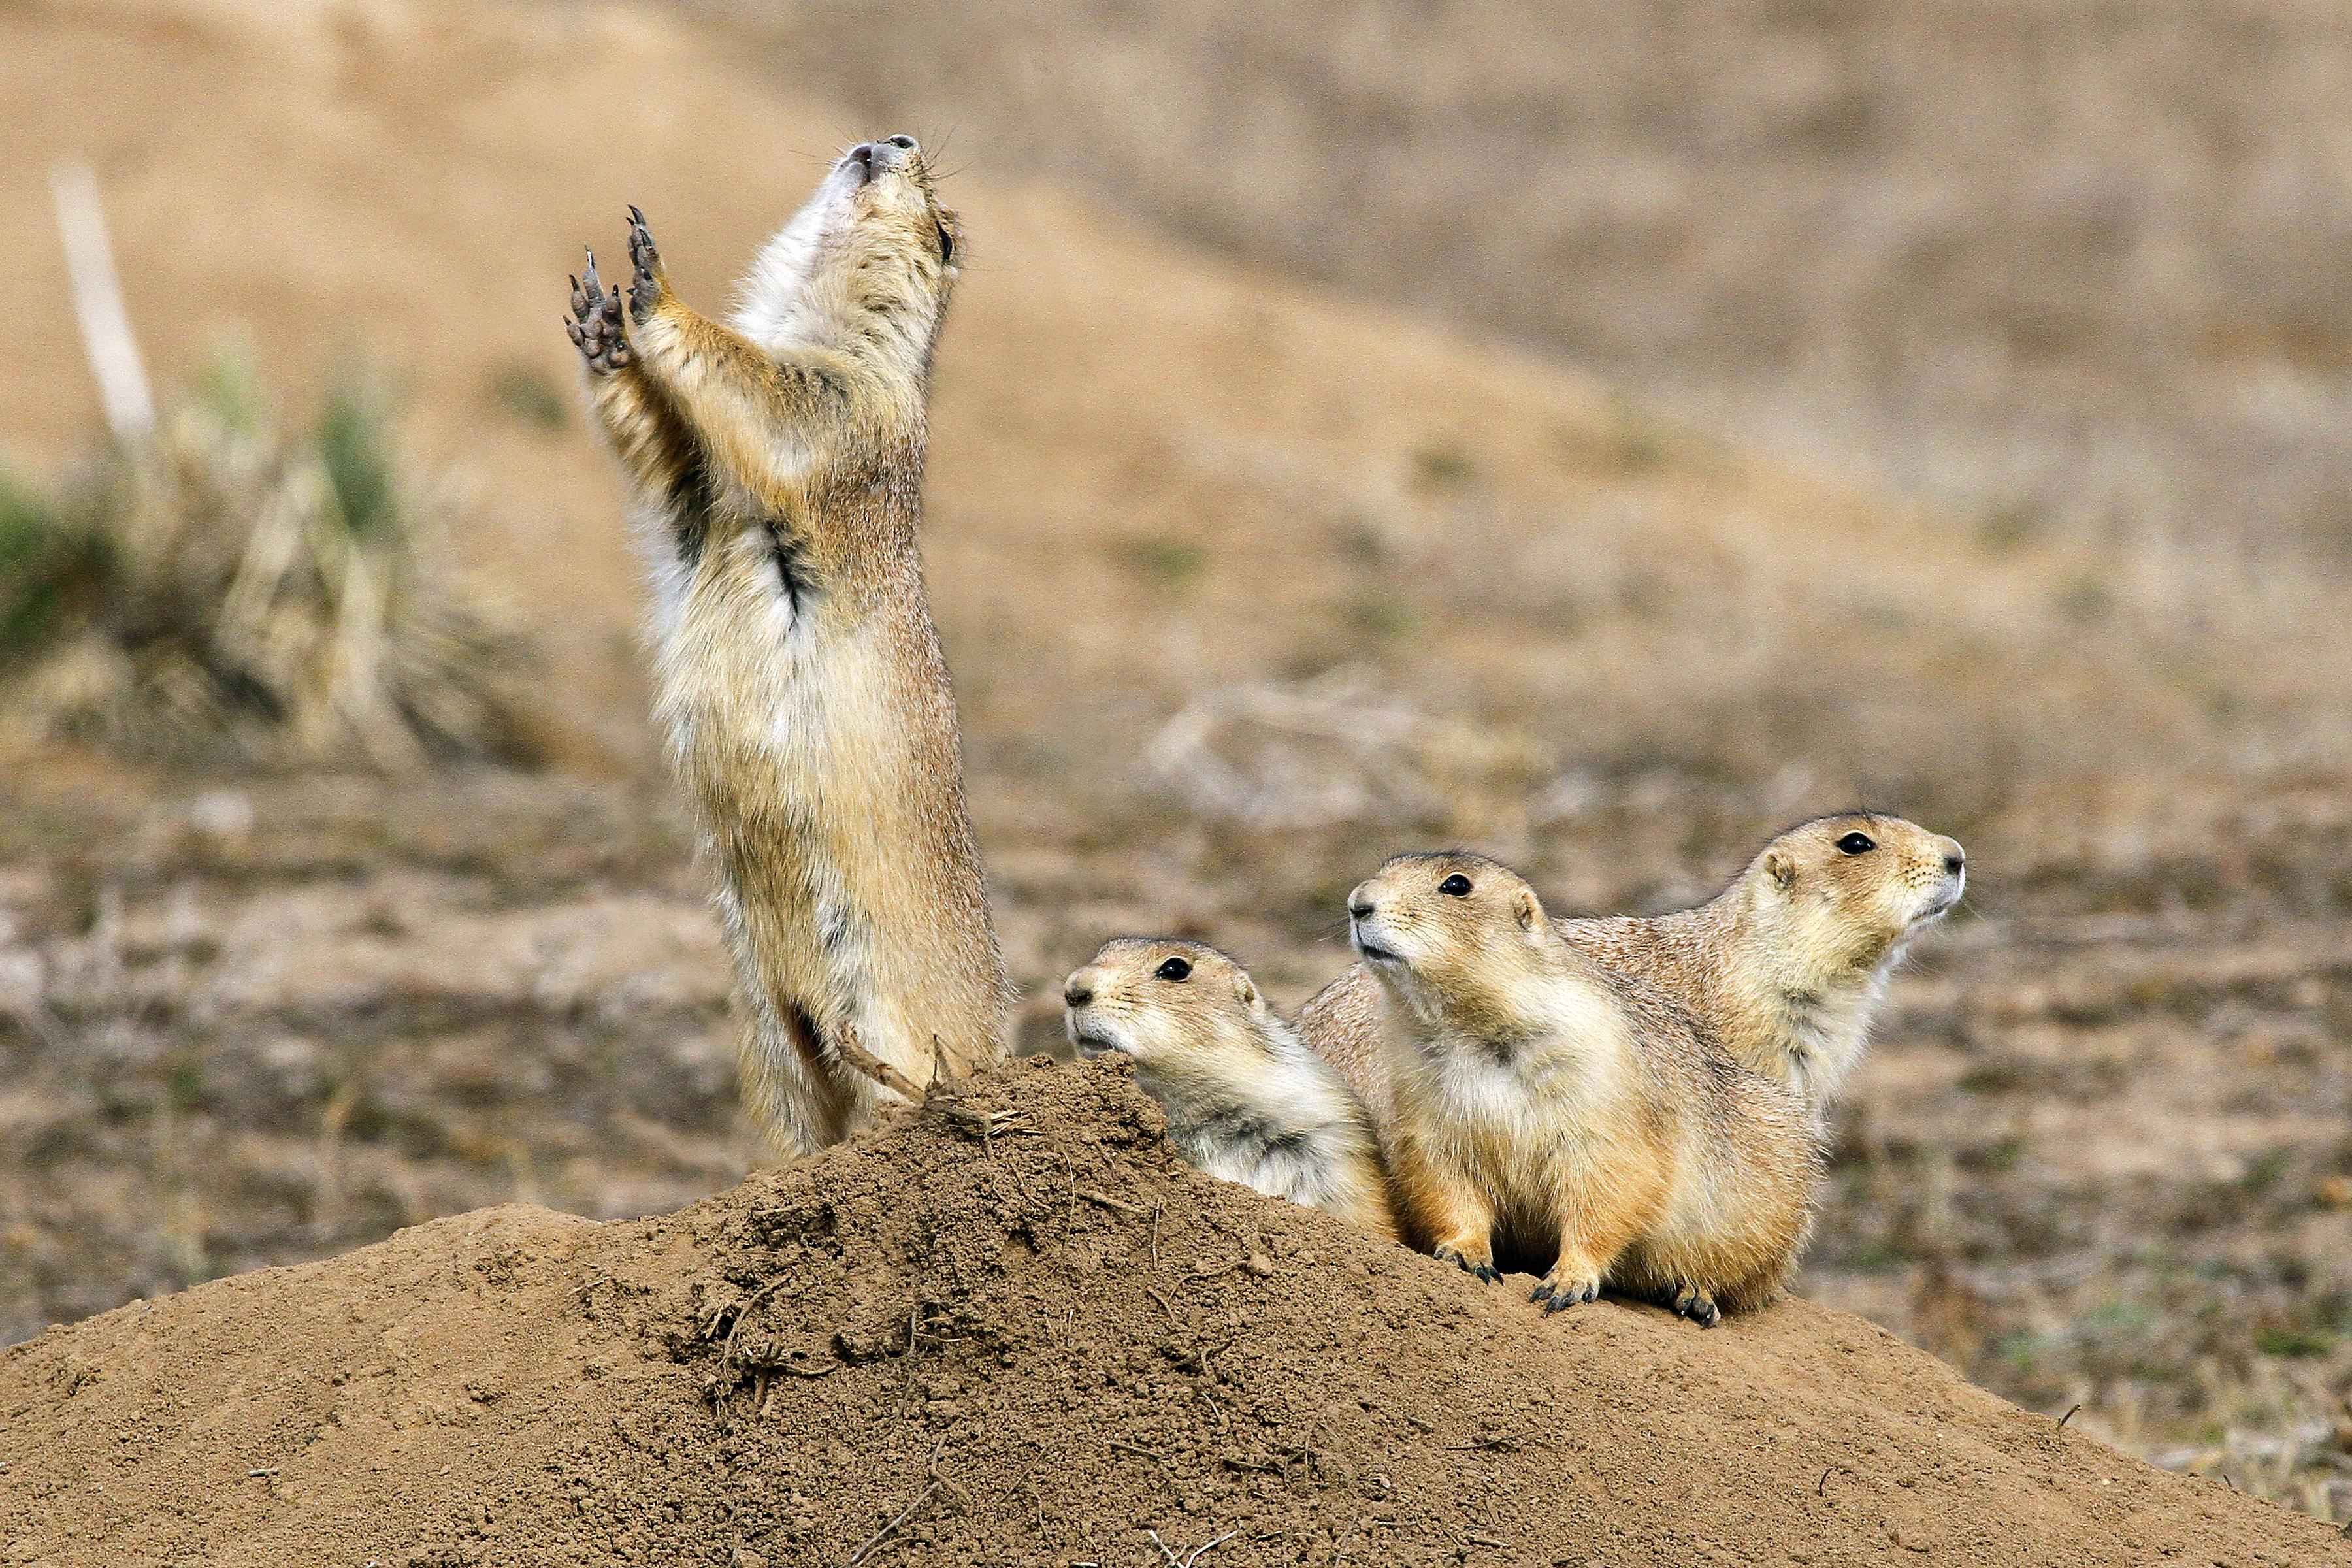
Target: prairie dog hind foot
{"points": [[1691, 1303]]}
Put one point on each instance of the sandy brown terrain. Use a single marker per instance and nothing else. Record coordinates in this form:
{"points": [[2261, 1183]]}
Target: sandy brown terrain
{"points": [[1013, 1328], [1245, 585]]}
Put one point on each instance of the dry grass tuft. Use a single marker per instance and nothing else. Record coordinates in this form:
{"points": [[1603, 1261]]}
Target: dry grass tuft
{"points": [[232, 590]]}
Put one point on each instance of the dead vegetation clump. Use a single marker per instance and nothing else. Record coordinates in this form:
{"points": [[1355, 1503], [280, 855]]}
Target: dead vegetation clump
{"points": [[232, 589]]}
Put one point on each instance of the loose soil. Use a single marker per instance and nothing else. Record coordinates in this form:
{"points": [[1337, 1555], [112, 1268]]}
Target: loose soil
{"points": [[1013, 1327]]}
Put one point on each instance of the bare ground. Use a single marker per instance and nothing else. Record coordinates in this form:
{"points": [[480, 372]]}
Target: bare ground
{"points": [[1012, 1327]]}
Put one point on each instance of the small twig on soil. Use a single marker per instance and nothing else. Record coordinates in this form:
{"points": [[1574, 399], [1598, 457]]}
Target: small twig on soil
{"points": [[1194, 1555], [2068, 1416], [856, 1056], [1117, 1443], [1821, 1487], [1483, 1541], [932, 1472], [727, 1351], [1022, 1186], [257, 1475], [1162, 1301], [1157, 1210], [903, 1515], [1111, 1202]]}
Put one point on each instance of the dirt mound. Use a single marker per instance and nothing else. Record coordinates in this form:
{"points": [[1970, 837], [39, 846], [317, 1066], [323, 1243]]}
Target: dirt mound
{"points": [[1017, 1329]]}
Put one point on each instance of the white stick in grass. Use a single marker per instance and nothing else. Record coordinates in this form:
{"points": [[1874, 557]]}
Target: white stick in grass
{"points": [[97, 301]]}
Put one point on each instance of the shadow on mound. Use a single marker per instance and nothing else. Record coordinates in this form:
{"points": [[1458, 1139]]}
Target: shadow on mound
{"points": [[1013, 1328]]}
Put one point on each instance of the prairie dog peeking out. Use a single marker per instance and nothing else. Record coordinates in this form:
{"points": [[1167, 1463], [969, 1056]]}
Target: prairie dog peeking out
{"points": [[1245, 1101]]}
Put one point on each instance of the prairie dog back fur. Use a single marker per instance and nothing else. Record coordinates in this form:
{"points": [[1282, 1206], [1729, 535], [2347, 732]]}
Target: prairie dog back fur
{"points": [[1543, 1100], [1784, 969], [1245, 1101], [777, 466]]}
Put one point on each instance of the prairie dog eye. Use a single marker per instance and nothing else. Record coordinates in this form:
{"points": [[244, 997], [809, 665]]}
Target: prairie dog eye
{"points": [[1857, 844], [1457, 886], [1174, 969]]}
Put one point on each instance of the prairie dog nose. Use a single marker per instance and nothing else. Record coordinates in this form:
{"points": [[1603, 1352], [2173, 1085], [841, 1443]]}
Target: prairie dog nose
{"points": [[1079, 989], [1359, 902], [874, 158], [1955, 857]]}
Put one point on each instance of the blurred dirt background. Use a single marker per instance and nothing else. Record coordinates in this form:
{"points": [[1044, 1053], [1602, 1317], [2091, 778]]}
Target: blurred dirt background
{"points": [[1598, 437]]}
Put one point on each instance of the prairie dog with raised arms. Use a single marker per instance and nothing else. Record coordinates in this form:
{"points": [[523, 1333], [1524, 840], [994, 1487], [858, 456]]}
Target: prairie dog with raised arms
{"points": [[1783, 969], [1245, 1101], [777, 466], [1544, 1101]]}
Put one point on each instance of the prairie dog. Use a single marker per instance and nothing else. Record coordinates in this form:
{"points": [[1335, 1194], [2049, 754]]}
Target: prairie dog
{"points": [[1783, 969], [1245, 1101], [1543, 1100], [777, 466]]}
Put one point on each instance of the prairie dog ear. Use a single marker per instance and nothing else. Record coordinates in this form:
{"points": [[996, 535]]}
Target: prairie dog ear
{"points": [[1527, 907], [1781, 866], [1246, 989]]}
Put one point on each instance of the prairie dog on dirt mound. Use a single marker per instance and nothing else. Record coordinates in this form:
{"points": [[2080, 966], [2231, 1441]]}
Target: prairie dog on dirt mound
{"points": [[777, 466], [1783, 969], [1245, 1101], [1545, 1100]]}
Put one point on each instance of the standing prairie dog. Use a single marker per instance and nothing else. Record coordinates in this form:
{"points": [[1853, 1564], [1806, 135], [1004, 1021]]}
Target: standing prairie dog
{"points": [[1245, 1101], [1544, 1101], [777, 467], [1783, 969]]}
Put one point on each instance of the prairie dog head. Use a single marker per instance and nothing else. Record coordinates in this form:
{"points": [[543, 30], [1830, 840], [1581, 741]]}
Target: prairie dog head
{"points": [[1168, 1003], [1845, 893], [874, 247], [1453, 931]]}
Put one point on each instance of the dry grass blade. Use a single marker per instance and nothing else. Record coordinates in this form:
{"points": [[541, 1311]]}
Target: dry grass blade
{"points": [[228, 589]]}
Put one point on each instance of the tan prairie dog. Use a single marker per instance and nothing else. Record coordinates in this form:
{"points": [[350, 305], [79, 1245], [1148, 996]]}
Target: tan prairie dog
{"points": [[1245, 1101], [1784, 968], [1546, 1103], [777, 465]]}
